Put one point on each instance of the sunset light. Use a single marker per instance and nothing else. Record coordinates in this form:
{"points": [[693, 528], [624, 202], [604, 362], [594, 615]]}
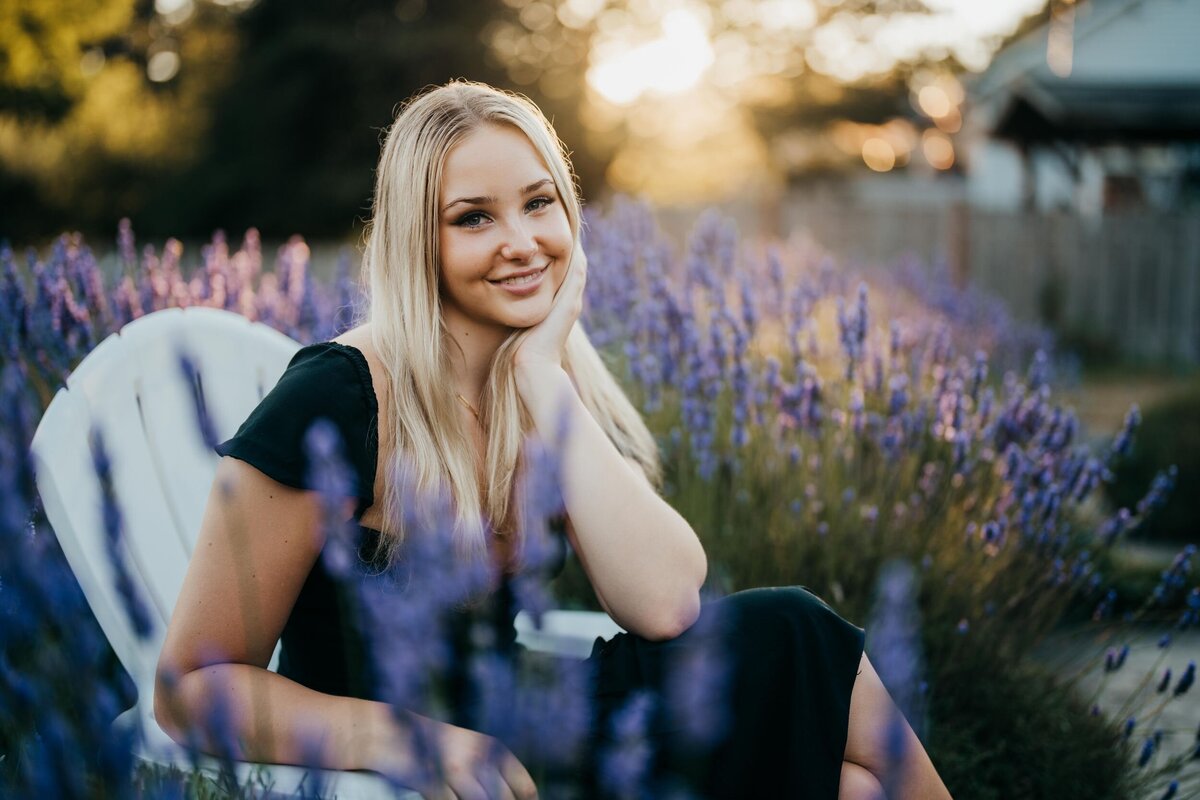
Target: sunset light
{"points": [[670, 64]]}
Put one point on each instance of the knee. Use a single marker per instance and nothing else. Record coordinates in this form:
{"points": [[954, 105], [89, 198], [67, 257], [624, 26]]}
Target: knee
{"points": [[859, 783]]}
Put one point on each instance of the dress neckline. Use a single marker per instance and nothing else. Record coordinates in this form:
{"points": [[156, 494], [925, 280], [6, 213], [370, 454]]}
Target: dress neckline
{"points": [[360, 360]]}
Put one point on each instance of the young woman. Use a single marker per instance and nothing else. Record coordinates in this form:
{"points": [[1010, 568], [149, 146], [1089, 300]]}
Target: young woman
{"points": [[475, 276]]}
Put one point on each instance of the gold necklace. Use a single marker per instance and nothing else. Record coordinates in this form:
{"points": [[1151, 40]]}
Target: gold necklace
{"points": [[470, 407]]}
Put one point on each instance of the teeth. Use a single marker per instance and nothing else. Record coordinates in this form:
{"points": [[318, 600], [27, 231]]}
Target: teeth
{"points": [[526, 279]]}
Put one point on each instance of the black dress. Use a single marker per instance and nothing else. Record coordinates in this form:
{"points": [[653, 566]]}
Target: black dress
{"points": [[769, 672]]}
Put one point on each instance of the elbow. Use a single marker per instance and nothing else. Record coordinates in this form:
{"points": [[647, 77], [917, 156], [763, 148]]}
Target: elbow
{"points": [[685, 607], [684, 614], [169, 702], [166, 701]]}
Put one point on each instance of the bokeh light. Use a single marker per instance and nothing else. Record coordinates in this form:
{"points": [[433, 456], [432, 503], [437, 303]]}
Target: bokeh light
{"points": [[934, 102], [174, 12], [92, 61], [878, 154], [672, 63], [162, 66], [938, 149]]}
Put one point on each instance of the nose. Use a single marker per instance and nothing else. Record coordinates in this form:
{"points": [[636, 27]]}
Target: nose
{"points": [[520, 244]]}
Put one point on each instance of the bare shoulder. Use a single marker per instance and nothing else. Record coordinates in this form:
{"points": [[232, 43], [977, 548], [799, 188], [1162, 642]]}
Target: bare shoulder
{"points": [[359, 337]]}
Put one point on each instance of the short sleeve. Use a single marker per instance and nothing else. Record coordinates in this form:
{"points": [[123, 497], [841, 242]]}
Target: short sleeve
{"points": [[326, 380]]}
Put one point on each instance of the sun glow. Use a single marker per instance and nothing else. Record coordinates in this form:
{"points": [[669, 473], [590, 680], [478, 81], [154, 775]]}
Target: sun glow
{"points": [[670, 64]]}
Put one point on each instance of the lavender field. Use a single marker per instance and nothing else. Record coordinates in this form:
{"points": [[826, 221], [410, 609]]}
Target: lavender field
{"points": [[884, 437]]}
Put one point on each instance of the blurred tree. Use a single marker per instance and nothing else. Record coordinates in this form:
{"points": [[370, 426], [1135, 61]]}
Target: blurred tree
{"points": [[191, 115], [769, 78], [99, 101], [296, 136], [41, 45]]}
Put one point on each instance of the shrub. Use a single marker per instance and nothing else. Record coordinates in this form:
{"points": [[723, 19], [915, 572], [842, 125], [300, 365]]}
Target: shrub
{"points": [[1169, 434], [815, 425]]}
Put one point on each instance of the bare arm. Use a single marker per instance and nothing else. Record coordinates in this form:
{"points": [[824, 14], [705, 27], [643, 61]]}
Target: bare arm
{"points": [[643, 559], [258, 541]]}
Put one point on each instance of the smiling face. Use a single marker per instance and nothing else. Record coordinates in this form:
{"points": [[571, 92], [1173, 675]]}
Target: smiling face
{"points": [[499, 216]]}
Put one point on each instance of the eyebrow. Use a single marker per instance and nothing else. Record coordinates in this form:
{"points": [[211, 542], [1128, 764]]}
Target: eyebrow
{"points": [[485, 200]]}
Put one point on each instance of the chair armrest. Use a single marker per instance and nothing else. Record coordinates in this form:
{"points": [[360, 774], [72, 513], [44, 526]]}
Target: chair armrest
{"points": [[565, 633]]}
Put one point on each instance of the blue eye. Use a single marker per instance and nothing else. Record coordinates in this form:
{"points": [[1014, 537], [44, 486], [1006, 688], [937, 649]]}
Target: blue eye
{"points": [[464, 220]]}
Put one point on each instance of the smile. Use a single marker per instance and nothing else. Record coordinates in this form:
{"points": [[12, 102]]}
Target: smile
{"points": [[523, 284]]}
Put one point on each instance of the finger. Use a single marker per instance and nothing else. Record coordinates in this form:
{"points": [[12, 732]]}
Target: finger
{"points": [[496, 788], [467, 787], [516, 776]]}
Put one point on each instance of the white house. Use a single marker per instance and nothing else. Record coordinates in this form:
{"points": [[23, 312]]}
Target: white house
{"points": [[1110, 120]]}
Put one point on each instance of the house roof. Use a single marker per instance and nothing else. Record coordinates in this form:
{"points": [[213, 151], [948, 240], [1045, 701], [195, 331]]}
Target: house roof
{"points": [[1135, 76], [1097, 113]]}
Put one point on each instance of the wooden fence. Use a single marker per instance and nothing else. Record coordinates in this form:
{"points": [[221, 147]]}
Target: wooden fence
{"points": [[1129, 282]]}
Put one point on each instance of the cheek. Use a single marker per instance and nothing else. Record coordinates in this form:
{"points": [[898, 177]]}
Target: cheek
{"points": [[564, 229], [462, 258]]}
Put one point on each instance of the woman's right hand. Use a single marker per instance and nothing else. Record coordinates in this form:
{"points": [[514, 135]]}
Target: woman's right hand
{"points": [[475, 766]]}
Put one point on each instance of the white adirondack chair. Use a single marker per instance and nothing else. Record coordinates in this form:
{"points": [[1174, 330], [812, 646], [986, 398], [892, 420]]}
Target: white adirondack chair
{"points": [[132, 389]]}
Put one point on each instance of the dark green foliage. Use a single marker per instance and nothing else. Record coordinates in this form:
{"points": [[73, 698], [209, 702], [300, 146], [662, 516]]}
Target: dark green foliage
{"points": [[1012, 732], [1169, 434], [296, 136]]}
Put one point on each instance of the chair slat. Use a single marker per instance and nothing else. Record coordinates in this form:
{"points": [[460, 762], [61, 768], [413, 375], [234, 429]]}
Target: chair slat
{"points": [[131, 388], [231, 357], [109, 386]]}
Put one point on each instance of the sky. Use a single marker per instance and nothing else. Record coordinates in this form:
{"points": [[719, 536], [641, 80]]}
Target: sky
{"points": [[680, 51]]}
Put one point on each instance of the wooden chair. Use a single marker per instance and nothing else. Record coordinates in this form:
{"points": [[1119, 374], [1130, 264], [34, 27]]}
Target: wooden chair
{"points": [[131, 388]]}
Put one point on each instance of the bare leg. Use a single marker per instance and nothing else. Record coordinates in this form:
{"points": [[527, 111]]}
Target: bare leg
{"points": [[871, 707], [858, 783]]}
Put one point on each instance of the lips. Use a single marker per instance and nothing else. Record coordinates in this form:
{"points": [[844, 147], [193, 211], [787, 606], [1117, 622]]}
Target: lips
{"points": [[521, 274]]}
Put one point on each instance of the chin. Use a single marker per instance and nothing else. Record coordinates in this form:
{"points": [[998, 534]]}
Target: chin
{"points": [[527, 320]]}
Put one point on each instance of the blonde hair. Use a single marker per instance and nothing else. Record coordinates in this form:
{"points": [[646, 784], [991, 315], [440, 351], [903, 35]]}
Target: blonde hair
{"points": [[427, 446]]}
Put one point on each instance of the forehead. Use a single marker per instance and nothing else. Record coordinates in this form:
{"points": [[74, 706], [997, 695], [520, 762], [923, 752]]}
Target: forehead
{"points": [[491, 159]]}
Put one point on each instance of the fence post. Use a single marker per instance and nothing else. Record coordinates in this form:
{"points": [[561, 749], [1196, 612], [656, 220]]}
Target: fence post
{"points": [[958, 248]]}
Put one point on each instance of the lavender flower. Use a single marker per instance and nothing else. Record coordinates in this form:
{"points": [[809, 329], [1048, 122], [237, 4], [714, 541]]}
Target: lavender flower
{"points": [[1124, 441], [895, 640], [1148, 748], [1186, 680], [625, 762], [126, 586], [696, 696]]}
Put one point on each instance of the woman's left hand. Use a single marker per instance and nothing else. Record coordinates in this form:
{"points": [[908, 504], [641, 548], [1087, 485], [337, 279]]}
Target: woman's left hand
{"points": [[547, 340]]}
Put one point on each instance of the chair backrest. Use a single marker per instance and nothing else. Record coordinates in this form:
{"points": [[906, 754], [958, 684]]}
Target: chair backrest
{"points": [[131, 388]]}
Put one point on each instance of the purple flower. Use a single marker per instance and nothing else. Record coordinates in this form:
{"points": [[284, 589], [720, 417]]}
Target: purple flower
{"points": [[332, 478], [1124, 440], [1147, 753], [1186, 680], [696, 693], [114, 534], [625, 761], [894, 634]]}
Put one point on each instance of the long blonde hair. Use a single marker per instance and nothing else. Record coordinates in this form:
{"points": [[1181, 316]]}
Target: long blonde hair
{"points": [[426, 446]]}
